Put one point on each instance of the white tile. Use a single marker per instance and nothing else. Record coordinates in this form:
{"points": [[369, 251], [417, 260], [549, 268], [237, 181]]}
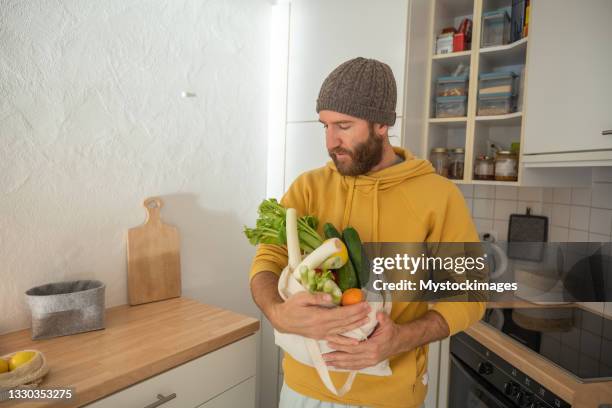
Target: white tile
{"points": [[547, 195], [547, 211], [598, 237], [602, 195], [578, 236], [506, 193], [579, 217], [469, 203], [601, 221], [467, 190], [536, 207], [562, 195], [503, 209], [483, 224], [581, 196], [560, 215], [530, 194], [501, 228], [484, 191], [483, 208], [558, 234]]}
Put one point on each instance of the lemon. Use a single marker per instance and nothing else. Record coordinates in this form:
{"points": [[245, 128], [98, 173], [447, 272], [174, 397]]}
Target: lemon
{"points": [[20, 358], [3, 366], [337, 259]]}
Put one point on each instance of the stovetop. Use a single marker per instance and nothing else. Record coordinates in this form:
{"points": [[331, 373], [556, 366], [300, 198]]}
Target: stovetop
{"points": [[575, 339]]}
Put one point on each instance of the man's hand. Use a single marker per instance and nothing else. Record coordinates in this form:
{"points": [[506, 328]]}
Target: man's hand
{"points": [[351, 354], [387, 340], [314, 315]]}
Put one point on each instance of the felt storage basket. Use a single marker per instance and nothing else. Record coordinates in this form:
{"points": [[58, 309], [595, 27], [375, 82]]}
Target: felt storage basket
{"points": [[63, 308]]}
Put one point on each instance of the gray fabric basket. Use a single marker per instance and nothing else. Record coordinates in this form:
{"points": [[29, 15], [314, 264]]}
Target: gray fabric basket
{"points": [[63, 308]]}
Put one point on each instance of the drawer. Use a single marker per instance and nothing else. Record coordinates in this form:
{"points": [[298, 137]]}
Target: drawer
{"points": [[241, 395], [194, 382]]}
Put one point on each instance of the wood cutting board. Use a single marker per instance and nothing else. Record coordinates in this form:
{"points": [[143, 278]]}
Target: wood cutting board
{"points": [[153, 253]]}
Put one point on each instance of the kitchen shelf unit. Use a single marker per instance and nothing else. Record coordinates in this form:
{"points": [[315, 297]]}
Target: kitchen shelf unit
{"points": [[472, 132]]}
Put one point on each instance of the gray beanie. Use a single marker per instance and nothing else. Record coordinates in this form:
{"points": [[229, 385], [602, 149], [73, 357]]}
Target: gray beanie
{"points": [[361, 87]]}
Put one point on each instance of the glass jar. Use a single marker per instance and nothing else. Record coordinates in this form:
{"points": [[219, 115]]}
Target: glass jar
{"points": [[484, 168], [506, 166], [439, 159], [456, 163]]}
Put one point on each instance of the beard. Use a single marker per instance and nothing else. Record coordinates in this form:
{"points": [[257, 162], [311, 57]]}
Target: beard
{"points": [[363, 157]]}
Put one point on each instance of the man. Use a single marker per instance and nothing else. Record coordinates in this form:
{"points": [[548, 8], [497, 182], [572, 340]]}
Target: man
{"points": [[386, 194]]}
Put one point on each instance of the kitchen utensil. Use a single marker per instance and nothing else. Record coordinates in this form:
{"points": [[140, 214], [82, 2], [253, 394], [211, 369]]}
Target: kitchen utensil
{"points": [[526, 235], [153, 252], [63, 308]]}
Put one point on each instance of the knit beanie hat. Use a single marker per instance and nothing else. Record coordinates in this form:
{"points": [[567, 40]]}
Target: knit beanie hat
{"points": [[361, 87]]}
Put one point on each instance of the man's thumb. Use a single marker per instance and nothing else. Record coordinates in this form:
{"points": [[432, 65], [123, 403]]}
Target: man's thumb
{"points": [[382, 317], [321, 298]]}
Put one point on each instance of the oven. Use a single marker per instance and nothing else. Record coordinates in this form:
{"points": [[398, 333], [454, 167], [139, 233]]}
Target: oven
{"points": [[481, 379]]}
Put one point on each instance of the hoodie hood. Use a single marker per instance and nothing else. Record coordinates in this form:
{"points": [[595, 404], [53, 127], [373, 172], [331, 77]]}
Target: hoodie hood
{"points": [[376, 181]]}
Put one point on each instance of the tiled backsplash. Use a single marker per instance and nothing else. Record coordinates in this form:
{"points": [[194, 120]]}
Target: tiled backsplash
{"points": [[574, 214]]}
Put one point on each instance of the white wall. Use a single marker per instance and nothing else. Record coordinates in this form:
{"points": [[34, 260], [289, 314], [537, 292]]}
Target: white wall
{"points": [[92, 122]]}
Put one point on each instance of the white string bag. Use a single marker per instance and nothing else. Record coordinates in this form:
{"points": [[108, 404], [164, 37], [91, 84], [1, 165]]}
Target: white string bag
{"points": [[309, 351]]}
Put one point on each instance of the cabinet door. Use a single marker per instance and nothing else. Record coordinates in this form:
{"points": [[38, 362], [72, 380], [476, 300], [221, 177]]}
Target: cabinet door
{"points": [[569, 80], [324, 33], [241, 395], [193, 382]]}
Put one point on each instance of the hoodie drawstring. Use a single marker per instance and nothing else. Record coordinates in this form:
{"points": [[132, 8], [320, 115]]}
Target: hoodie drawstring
{"points": [[375, 213], [349, 204]]}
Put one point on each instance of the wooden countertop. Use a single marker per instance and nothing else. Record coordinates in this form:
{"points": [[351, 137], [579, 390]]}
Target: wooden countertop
{"points": [[137, 343], [580, 395]]}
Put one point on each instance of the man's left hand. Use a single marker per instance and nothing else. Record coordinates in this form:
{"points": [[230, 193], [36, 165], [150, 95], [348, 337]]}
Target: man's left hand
{"points": [[351, 354]]}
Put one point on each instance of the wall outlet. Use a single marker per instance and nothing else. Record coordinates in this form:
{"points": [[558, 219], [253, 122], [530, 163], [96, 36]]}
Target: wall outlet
{"points": [[490, 236]]}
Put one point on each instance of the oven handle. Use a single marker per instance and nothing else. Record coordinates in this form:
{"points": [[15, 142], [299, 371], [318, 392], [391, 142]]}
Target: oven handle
{"points": [[496, 396]]}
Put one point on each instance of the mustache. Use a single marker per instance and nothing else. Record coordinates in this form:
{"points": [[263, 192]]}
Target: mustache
{"points": [[340, 150]]}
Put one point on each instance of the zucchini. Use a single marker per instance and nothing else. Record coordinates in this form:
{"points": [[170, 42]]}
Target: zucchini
{"points": [[330, 231], [347, 277], [353, 244]]}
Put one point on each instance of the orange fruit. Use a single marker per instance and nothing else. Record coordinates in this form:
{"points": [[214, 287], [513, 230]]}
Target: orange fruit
{"points": [[352, 296]]}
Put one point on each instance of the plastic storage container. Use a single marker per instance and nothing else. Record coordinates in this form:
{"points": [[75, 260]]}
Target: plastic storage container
{"points": [[497, 82], [452, 85], [65, 308], [495, 28], [451, 106], [495, 104]]}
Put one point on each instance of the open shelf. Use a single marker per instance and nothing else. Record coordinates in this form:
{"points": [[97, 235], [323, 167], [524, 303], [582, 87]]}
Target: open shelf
{"points": [[509, 119], [509, 54], [455, 56], [459, 121]]}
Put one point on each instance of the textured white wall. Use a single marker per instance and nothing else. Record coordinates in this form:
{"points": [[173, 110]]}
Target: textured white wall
{"points": [[92, 122]]}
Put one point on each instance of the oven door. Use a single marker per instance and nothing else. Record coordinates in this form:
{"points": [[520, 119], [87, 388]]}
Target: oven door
{"points": [[469, 390]]}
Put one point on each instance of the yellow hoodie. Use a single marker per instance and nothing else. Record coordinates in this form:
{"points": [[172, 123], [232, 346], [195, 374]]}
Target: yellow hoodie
{"points": [[406, 202]]}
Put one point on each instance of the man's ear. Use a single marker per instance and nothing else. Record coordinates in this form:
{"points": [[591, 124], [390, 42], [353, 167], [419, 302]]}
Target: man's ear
{"points": [[381, 129]]}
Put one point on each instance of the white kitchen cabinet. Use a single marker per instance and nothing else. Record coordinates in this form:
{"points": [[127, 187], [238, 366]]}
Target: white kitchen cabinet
{"points": [[240, 395], [569, 103], [324, 33], [305, 147], [205, 380]]}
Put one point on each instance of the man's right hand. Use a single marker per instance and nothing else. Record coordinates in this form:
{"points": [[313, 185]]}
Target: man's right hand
{"points": [[312, 315]]}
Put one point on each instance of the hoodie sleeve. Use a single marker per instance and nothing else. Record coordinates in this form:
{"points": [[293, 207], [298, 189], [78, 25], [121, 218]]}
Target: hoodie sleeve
{"points": [[273, 258], [455, 225]]}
